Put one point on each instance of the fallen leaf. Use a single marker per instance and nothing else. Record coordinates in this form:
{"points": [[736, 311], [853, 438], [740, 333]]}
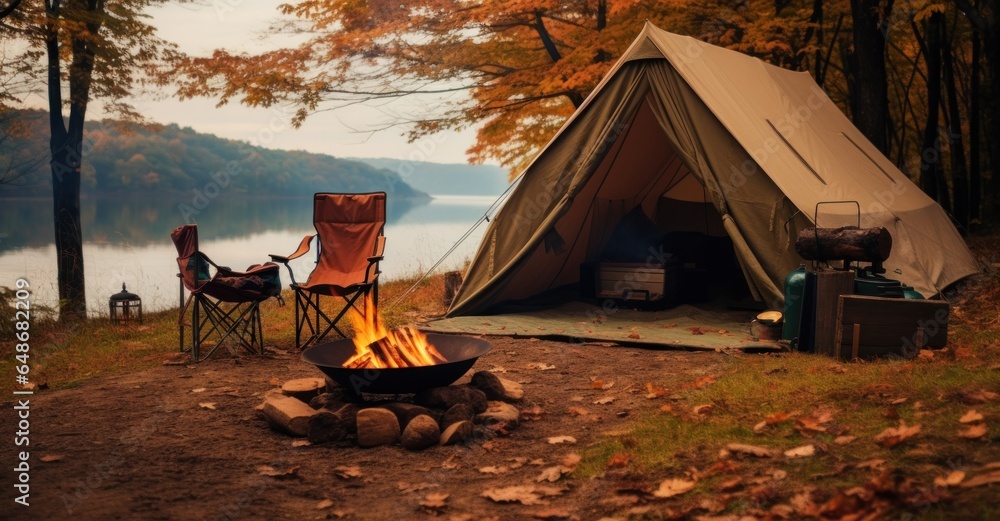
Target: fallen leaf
{"points": [[731, 484], [552, 513], [555, 440], [895, 435], [776, 418], [326, 503], [809, 425], [760, 427], [518, 462], [702, 381], [666, 408], [620, 459], [654, 391], [971, 417], [347, 472], [198, 390], [702, 409], [549, 491], [553, 474], [518, 494], [844, 440], [804, 451], [982, 479], [533, 413], [48, 458], [407, 488], [952, 479], [977, 397], [435, 501], [760, 452], [301, 443], [600, 384], [974, 432], [271, 472], [207, 405], [604, 401], [451, 463], [871, 464], [571, 460], [673, 487]]}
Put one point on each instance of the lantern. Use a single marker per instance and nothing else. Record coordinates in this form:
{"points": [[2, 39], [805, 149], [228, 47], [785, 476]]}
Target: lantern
{"points": [[125, 308]]}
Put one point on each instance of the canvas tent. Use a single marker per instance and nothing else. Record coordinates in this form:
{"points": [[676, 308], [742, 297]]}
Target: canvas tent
{"points": [[706, 140]]}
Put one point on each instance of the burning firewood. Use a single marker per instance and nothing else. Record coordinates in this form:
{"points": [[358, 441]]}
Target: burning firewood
{"points": [[377, 348]]}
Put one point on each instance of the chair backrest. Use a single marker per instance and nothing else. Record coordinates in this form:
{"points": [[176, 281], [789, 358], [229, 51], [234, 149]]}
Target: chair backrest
{"points": [[348, 226], [193, 268]]}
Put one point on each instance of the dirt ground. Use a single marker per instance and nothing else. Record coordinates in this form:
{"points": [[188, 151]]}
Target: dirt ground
{"points": [[146, 446]]}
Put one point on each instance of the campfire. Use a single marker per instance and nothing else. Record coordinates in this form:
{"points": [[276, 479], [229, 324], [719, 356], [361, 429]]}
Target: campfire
{"points": [[385, 387], [379, 348]]}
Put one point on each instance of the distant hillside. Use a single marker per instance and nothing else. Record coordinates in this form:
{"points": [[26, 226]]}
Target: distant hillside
{"points": [[446, 179], [165, 160]]}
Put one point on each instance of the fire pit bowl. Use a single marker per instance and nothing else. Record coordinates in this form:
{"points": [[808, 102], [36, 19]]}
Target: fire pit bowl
{"points": [[460, 351]]}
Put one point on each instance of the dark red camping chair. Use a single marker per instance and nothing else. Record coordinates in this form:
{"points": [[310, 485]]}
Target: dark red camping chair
{"points": [[224, 305], [350, 242]]}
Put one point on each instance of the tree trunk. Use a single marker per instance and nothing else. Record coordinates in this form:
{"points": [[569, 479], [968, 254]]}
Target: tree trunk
{"points": [[869, 100], [930, 152], [956, 145], [975, 181], [988, 24], [66, 147], [992, 107]]}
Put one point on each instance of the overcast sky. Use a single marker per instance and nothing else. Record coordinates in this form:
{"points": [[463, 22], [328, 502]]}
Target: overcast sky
{"points": [[237, 25]]}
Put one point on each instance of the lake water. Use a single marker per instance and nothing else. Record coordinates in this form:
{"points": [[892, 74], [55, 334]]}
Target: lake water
{"points": [[128, 240]]}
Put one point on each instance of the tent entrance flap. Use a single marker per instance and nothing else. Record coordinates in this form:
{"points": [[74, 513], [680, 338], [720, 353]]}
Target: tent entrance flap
{"points": [[643, 206]]}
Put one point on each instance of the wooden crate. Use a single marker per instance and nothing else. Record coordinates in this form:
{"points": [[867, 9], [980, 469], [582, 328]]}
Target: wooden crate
{"points": [[871, 327], [830, 285], [636, 282]]}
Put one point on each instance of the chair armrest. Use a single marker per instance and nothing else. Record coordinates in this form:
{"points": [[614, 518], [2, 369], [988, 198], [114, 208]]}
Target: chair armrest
{"points": [[375, 259], [300, 251]]}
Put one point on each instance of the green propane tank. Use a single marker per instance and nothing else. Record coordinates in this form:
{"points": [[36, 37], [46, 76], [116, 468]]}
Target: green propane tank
{"points": [[795, 283]]}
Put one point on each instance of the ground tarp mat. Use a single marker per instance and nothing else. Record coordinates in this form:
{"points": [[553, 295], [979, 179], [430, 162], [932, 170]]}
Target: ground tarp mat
{"points": [[680, 327]]}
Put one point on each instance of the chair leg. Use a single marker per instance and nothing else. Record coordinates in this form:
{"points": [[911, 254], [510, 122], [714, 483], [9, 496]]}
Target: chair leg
{"points": [[195, 329]]}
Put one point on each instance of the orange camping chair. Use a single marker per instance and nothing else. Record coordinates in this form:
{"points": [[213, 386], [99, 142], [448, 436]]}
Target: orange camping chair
{"points": [[350, 243], [225, 305]]}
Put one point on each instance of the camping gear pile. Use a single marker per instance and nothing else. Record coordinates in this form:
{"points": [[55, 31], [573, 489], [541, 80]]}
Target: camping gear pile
{"points": [[852, 312]]}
